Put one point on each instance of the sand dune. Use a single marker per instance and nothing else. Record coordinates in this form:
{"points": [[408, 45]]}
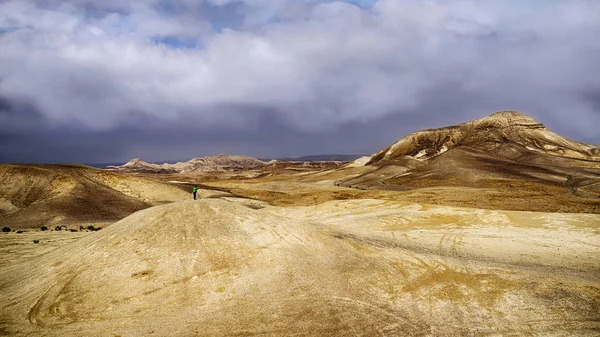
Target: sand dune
{"points": [[365, 267]]}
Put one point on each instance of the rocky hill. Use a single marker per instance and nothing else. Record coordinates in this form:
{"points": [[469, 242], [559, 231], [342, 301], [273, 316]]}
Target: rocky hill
{"points": [[508, 134], [508, 159]]}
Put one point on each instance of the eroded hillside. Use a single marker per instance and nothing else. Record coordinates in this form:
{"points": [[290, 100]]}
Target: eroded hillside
{"points": [[507, 160], [36, 195]]}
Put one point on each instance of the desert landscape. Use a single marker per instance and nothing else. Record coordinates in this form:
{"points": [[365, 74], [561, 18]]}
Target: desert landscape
{"points": [[487, 228]]}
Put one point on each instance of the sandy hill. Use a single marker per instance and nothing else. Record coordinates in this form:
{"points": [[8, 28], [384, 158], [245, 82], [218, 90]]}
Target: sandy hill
{"points": [[220, 162], [506, 152], [36, 195], [216, 268]]}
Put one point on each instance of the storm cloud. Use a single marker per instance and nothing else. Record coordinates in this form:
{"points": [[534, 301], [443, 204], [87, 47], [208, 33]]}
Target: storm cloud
{"points": [[96, 81]]}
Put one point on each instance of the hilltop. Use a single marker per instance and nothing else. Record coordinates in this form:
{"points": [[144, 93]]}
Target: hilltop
{"points": [[507, 134]]}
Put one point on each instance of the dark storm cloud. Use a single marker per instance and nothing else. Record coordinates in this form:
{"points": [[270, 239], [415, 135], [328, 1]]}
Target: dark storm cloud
{"points": [[87, 80], [593, 97], [5, 106]]}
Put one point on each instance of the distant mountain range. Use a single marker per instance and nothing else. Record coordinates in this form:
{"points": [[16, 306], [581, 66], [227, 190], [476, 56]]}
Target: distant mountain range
{"points": [[223, 162], [220, 162], [313, 158]]}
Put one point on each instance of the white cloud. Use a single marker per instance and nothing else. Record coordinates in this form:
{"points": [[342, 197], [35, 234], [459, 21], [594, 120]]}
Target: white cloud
{"points": [[318, 65]]}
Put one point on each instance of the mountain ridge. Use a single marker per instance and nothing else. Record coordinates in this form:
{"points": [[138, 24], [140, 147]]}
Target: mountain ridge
{"points": [[225, 162], [219, 162]]}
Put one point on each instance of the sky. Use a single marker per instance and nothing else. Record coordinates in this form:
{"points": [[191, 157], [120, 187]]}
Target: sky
{"points": [[107, 81]]}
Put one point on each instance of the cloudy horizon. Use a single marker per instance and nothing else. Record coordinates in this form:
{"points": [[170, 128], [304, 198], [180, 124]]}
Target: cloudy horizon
{"points": [[107, 81]]}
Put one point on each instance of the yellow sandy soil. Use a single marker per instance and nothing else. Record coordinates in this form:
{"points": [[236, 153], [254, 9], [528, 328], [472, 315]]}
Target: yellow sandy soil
{"points": [[356, 267]]}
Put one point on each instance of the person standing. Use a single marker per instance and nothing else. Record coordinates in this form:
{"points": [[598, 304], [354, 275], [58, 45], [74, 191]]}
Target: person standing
{"points": [[195, 190]]}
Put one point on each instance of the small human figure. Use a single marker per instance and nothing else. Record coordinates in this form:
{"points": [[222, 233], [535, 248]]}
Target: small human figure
{"points": [[195, 190]]}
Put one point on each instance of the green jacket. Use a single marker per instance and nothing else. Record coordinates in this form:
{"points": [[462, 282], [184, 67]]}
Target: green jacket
{"points": [[195, 189]]}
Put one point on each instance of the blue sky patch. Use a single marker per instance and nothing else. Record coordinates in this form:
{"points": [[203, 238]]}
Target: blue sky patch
{"points": [[367, 4], [178, 43]]}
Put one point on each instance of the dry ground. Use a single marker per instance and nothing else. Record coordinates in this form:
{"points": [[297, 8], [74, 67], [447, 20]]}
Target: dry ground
{"points": [[356, 267], [293, 254]]}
